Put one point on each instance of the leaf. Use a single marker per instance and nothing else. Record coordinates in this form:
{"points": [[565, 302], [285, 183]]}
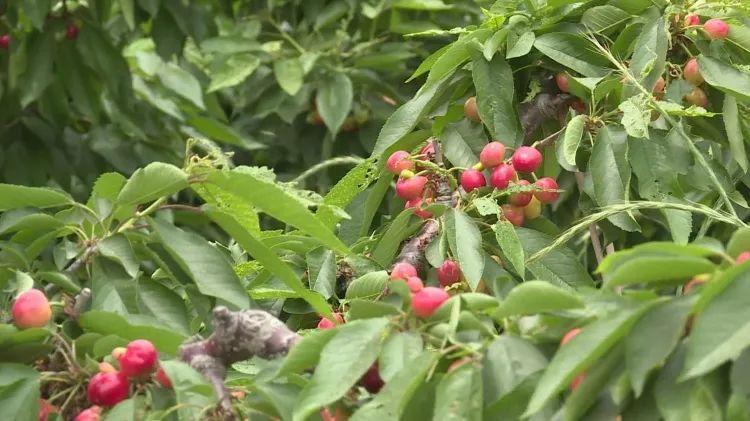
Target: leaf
{"points": [[39, 74], [368, 286], [739, 242], [306, 353], [462, 143], [572, 139], [206, 266], [427, 63], [399, 351], [272, 199], [581, 352], [220, 132], [19, 391], [459, 395], [357, 180], [163, 304], [390, 242], [610, 172], [343, 361], [653, 338], [391, 401], [522, 45], [118, 248], [126, 6], [289, 75], [734, 131], [14, 197], [724, 77], [721, 331], [572, 51], [495, 94], [465, 242], [509, 361], [268, 258], [334, 100], [655, 267], [192, 390], [560, 266], [587, 396], [511, 246], [152, 182], [107, 323], [232, 71], [532, 297], [124, 410], [649, 55], [321, 265], [406, 117], [181, 82], [635, 116], [37, 11], [603, 18]]}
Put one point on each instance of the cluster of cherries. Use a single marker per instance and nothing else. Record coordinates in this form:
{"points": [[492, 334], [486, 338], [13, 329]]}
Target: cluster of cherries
{"points": [[71, 32], [502, 174]]}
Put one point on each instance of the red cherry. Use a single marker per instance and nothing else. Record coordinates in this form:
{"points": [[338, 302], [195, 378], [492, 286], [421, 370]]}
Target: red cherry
{"points": [[414, 283], [371, 381], [31, 309], [526, 159], [513, 214], [410, 188], [492, 155], [716, 28], [139, 358], [108, 389], [502, 175], [162, 378], [448, 273], [659, 86], [403, 271], [4, 41], [72, 31], [579, 106], [570, 335], [46, 409], [428, 150], [416, 204], [470, 109], [547, 193], [399, 161], [562, 82], [426, 301], [697, 97], [692, 74], [692, 20], [91, 414], [743, 257], [521, 199], [472, 179], [326, 323]]}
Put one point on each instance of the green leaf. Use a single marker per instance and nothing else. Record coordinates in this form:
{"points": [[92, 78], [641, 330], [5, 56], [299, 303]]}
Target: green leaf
{"points": [[654, 337], [306, 353], [511, 246], [465, 242], [560, 266], [509, 361], [232, 71], [427, 63], [126, 6], [206, 265], [731, 116], [37, 11], [321, 265], [459, 395], [19, 391], [106, 323], [390, 242], [334, 100], [39, 74], [357, 180], [124, 411], [534, 297], [653, 266], [725, 77], [191, 389], [603, 18], [13, 197], [152, 182], [368, 286], [587, 396], [572, 139], [272, 199], [636, 116], [581, 352], [462, 143], [163, 304], [181, 82], [521, 46], [289, 75], [495, 94], [572, 51], [118, 248], [721, 331], [610, 172], [343, 361], [739, 242], [649, 56], [268, 258], [399, 351]]}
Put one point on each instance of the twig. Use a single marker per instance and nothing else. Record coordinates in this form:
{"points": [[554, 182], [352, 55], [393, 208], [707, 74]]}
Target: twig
{"points": [[593, 229], [188, 208], [82, 259]]}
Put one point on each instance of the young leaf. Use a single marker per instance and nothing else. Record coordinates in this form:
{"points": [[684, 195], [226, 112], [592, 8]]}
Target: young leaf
{"points": [[465, 242], [649, 55], [334, 100]]}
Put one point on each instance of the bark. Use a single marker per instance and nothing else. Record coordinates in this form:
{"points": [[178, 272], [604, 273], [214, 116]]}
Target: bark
{"points": [[543, 107]]}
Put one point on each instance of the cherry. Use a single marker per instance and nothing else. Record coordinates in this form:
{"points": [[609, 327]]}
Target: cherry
{"points": [[426, 301], [694, 283], [416, 204], [108, 389], [410, 188], [448, 273], [521, 199], [743, 257], [4, 41], [692, 20], [399, 161], [371, 380], [472, 179], [139, 358], [428, 151], [513, 214], [526, 159], [692, 74], [716, 28], [562, 82], [403, 271], [414, 283], [46, 409], [326, 323], [470, 109], [118, 352], [492, 155], [162, 378], [533, 209], [659, 87], [72, 31], [91, 414], [105, 367], [697, 97], [31, 309], [339, 414], [579, 378], [547, 185], [579, 106], [502, 175]]}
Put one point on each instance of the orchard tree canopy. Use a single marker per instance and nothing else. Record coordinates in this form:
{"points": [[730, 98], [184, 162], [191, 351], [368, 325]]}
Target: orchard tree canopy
{"points": [[375, 210]]}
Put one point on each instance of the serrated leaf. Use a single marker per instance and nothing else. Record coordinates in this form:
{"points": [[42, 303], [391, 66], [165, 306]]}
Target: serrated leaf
{"points": [[391, 240], [511, 246], [495, 95], [465, 242], [19, 391], [106, 323], [560, 266], [232, 71], [334, 100], [603, 18], [724, 77], [13, 197], [572, 51], [635, 116], [289, 74], [181, 82], [532, 297], [459, 394], [155, 180], [368, 286], [649, 55], [321, 265]]}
